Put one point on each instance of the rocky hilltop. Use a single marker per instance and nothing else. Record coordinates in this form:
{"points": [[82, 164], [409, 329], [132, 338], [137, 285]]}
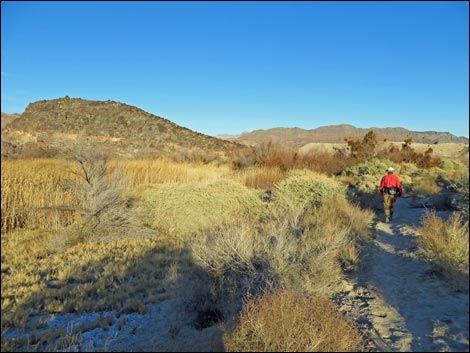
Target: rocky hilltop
{"points": [[125, 130]]}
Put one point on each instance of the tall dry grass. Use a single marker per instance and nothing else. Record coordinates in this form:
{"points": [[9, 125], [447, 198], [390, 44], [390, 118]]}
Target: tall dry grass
{"points": [[290, 321], [445, 244], [163, 170], [260, 177], [36, 193]]}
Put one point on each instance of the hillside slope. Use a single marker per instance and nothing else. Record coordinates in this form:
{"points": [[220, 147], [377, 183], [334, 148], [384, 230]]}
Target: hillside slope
{"points": [[123, 129], [8, 118]]}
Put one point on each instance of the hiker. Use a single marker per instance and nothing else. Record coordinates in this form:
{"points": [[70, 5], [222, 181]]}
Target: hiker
{"points": [[390, 188]]}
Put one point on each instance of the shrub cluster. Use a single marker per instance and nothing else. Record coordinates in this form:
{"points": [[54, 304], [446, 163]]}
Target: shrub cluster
{"points": [[445, 244]]}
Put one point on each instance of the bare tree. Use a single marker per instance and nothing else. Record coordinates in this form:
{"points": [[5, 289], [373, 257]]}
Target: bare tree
{"points": [[98, 187]]}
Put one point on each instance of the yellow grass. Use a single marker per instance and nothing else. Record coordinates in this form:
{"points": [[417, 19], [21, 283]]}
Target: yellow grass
{"points": [[445, 244], [121, 275], [260, 177], [34, 193]]}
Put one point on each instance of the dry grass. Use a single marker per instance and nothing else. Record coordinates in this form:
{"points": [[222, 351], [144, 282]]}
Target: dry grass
{"points": [[35, 193], [445, 244], [260, 177], [288, 321], [233, 241], [425, 185], [121, 275], [163, 170]]}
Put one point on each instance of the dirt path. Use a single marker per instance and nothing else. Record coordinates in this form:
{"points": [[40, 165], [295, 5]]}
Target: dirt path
{"points": [[402, 304]]}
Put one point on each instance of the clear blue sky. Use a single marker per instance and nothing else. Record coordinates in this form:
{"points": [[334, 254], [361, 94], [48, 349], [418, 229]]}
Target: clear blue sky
{"points": [[229, 67]]}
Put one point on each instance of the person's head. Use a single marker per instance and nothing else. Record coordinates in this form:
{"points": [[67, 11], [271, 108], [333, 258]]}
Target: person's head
{"points": [[390, 170]]}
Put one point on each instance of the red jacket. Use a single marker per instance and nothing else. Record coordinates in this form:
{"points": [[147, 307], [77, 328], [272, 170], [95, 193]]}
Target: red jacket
{"points": [[390, 181]]}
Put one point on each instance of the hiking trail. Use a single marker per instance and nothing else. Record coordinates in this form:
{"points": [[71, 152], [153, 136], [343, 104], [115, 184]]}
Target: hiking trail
{"points": [[400, 302]]}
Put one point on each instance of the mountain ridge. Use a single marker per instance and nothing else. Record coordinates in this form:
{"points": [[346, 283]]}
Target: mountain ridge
{"points": [[296, 137], [129, 131]]}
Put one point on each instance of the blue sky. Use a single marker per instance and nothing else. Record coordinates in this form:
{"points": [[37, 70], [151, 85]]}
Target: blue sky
{"points": [[229, 67]]}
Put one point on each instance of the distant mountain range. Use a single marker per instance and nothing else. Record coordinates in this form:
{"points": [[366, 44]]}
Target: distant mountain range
{"points": [[127, 131], [124, 130], [297, 137]]}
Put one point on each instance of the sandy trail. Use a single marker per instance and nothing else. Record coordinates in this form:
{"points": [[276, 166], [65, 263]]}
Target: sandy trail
{"points": [[406, 305]]}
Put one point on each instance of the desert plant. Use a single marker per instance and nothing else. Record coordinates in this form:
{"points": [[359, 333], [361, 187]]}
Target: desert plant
{"points": [[261, 177], [245, 258], [445, 244], [300, 190], [33, 195], [290, 321], [98, 189], [363, 150], [192, 207]]}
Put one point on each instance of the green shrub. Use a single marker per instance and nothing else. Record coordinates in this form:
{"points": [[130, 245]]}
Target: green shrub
{"points": [[192, 207], [375, 167], [302, 189]]}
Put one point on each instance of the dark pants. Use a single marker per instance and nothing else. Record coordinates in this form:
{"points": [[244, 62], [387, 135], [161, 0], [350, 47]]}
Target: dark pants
{"points": [[389, 202]]}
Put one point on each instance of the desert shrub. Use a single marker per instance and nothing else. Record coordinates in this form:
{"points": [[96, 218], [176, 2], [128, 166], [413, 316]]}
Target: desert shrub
{"points": [[230, 262], [99, 191], [163, 170], [246, 258], [461, 197], [286, 159], [300, 190], [192, 207], [375, 167], [425, 185], [445, 244], [363, 150], [245, 158], [289, 321], [454, 174]]}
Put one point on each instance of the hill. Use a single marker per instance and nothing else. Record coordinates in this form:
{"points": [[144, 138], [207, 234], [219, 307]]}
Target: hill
{"points": [[8, 118], [124, 130], [297, 137]]}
